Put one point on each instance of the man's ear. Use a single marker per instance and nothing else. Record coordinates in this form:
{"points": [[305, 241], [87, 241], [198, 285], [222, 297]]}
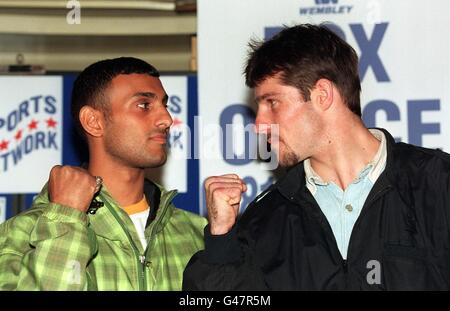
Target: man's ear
{"points": [[92, 121], [322, 94]]}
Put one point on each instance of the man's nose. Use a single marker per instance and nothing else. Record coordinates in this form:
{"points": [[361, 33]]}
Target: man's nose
{"points": [[262, 124], [165, 119]]}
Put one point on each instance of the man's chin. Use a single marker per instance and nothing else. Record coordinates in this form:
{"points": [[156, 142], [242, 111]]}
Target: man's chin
{"points": [[154, 163], [289, 160], [159, 163]]}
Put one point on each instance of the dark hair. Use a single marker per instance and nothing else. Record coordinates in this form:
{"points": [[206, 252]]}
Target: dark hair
{"points": [[89, 87], [302, 55]]}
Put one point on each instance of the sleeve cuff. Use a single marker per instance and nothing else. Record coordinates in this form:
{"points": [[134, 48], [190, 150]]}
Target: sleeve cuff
{"points": [[222, 249], [58, 212]]}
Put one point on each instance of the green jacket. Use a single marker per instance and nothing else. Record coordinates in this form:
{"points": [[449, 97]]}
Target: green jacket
{"points": [[56, 247]]}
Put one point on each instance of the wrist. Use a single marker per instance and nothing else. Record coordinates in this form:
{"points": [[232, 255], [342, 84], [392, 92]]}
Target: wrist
{"points": [[219, 229]]}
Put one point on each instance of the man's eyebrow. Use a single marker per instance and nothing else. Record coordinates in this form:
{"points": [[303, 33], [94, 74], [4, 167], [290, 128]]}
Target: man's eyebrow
{"points": [[151, 95], [264, 96], [145, 94]]}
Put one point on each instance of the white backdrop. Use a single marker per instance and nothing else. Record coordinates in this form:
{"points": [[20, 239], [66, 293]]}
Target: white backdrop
{"points": [[404, 53]]}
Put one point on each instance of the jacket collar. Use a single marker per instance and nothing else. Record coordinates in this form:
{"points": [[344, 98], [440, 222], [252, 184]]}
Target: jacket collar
{"points": [[292, 182], [160, 200], [153, 195], [105, 224], [390, 146]]}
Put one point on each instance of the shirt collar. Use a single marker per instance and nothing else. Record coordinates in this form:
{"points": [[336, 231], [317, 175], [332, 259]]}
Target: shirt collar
{"points": [[373, 169], [379, 160]]}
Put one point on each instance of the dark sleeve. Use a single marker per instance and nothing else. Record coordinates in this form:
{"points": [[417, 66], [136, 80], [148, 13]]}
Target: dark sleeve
{"points": [[227, 263], [445, 181], [439, 172]]}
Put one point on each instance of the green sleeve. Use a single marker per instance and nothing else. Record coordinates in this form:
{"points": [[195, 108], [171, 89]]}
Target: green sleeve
{"points": [[49, 251]]}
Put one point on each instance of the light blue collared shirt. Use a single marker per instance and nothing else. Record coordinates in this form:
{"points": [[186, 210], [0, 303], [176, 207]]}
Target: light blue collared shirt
{"points": [[342, 208]]}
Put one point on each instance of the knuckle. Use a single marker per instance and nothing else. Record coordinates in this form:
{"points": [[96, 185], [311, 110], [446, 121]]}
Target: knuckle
{"points": [[66, 169], [215, 191], [214, 185], [208, 181], [235, 192], [56, 168]]}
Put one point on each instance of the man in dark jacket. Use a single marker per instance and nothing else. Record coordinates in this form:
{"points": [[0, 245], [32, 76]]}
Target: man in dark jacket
{"points": [[354, 211]]}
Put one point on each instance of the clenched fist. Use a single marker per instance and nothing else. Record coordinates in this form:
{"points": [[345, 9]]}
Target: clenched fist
{"points": [[71, 186], [223, 195]]}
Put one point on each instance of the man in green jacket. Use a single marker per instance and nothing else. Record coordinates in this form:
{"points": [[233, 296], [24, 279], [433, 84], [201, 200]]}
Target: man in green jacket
{"points": [[106, 227]]}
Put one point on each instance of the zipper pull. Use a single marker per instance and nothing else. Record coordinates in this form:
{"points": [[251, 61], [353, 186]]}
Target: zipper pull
{"points": [[95, 205], [142, 259]]}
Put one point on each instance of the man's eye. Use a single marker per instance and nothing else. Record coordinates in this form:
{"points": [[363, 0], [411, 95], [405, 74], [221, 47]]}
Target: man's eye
{"points": [[272, 102], [144, 105]]}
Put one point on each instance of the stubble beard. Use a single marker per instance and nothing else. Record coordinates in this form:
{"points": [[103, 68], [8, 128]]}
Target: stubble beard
{"points": [[134, 154], [288, 157]]}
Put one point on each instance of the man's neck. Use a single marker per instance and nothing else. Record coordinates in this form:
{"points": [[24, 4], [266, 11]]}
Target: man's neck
{"points": [[350, 148], [125, 184]]}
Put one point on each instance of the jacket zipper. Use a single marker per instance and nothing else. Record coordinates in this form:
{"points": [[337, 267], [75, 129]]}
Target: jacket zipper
{"points": [[364, 211], [344, 265], [358, 221], [154, 225], [140, 258], [326, 225]]}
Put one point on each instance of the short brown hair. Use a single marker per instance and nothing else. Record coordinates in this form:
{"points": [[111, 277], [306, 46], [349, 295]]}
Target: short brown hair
{"points": [[303, 54]]}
